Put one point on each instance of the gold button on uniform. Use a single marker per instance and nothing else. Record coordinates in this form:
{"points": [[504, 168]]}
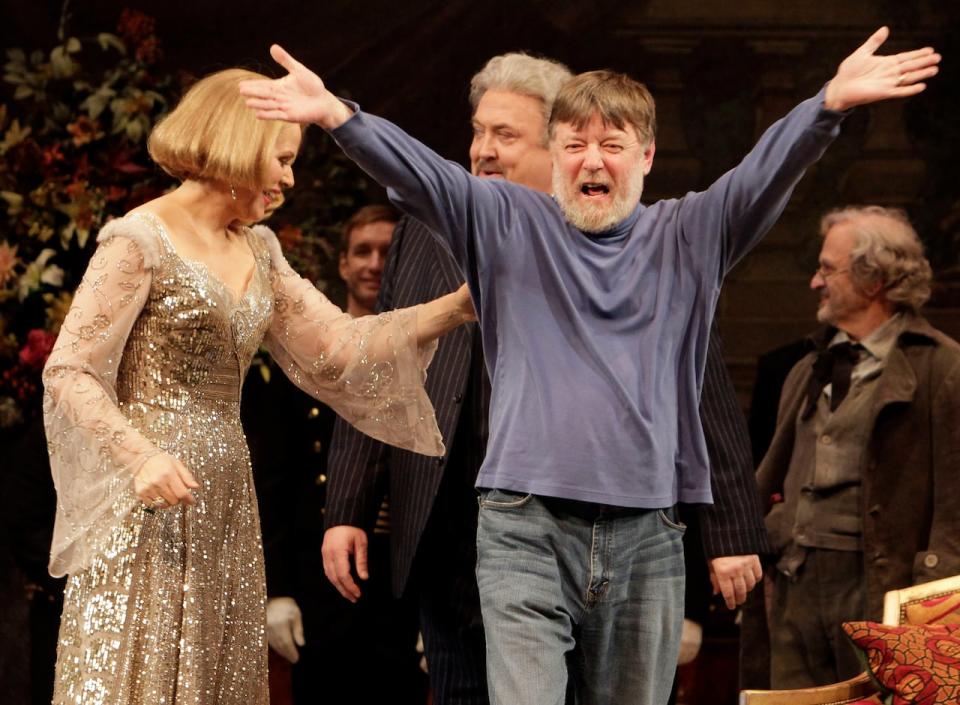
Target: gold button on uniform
{"points": [[931, 560], [825, 439], [317, 446], [321, 479], [313, 413]]}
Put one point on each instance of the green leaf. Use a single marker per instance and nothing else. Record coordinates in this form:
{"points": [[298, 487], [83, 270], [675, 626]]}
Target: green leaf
{"points": [[61, 63], [95, 103], [22, 92], [17, 55], [73, 45], [14, 201], [107, 40], [134, 130], [61, 112]]}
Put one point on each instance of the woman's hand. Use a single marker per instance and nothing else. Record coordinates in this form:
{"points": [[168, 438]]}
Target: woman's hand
{"points": [[465, 304], [443, 314], [163, 482]]}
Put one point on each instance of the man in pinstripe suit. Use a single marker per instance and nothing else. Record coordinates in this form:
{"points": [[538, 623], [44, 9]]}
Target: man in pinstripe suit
{"points": [[308, 624], [433, 504]]}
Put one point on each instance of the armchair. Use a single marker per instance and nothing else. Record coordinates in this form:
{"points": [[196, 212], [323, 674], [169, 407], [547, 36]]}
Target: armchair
{"points": [[937, 602]]}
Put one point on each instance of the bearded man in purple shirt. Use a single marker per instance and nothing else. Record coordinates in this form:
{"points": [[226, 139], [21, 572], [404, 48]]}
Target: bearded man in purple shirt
{"points": [[595, 313]]}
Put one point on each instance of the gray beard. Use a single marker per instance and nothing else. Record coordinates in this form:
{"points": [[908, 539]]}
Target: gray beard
{"points": [[597, 219]]}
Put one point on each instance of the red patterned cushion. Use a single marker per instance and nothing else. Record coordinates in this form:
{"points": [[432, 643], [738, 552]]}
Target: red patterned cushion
{"points": [[915, 664]]}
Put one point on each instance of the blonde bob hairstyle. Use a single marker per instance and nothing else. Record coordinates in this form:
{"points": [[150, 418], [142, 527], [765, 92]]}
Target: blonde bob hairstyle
{"points": [[887, 253], [212, 134]]}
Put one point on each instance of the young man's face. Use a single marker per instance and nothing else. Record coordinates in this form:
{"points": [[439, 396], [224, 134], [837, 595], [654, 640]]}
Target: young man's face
{"points": [[361, 265], [508, 131], [598, 172], [842, 303]]}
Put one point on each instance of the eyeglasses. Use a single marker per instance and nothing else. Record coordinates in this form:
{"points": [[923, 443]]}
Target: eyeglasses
{"points": [[826, 272]]}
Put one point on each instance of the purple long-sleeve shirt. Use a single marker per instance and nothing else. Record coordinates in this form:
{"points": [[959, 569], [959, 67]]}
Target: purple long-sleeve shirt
{"points": [[595, 344]]}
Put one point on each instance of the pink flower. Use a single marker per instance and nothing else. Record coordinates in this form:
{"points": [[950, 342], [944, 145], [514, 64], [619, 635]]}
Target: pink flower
{"points": [[51, 155], [148, 51], [84, 130], [34, 354], [134, 25], [289, 237]]}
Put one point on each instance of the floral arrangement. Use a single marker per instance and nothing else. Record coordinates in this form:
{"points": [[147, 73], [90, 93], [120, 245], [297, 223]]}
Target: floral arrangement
{"points": [[73, 155]]}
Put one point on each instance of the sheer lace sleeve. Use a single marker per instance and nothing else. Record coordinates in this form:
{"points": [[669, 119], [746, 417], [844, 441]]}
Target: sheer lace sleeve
{"points": [[369, 369], [94, 451]]}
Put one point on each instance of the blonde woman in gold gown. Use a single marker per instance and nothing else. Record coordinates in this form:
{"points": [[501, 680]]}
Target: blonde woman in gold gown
{"points": [[156, 518]]}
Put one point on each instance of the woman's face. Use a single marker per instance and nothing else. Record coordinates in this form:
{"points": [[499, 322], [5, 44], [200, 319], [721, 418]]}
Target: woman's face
{"points": [[277, 176]]}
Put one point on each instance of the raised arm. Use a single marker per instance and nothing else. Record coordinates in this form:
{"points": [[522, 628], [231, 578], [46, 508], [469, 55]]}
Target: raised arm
{"points": [[371, 369], [467, 212], [863, 77], [743, 204], [299, 97]]}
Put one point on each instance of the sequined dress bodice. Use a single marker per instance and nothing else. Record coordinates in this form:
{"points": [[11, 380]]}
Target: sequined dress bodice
{"points": [[190, 349]]}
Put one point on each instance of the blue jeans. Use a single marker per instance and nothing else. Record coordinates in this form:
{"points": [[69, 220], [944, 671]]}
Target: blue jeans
{"points": [[578, 599]]}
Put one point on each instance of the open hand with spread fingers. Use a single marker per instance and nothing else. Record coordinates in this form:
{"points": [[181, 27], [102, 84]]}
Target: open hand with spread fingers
{"points": [[164, 482], [864, 77], [299, 97]]}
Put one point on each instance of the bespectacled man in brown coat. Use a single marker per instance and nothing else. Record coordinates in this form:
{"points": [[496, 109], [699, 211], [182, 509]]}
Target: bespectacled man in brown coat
{"points": [[861, 478]]}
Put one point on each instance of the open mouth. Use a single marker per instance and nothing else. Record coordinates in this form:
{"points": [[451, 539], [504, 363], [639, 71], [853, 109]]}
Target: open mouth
{"points": [[594, 190]]}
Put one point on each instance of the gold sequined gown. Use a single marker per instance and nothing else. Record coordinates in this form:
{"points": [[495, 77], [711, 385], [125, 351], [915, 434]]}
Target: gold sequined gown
{"points": [[168, 607]]}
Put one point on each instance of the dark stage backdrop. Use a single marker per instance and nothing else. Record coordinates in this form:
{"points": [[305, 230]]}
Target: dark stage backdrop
{"points": [[721, 73]]}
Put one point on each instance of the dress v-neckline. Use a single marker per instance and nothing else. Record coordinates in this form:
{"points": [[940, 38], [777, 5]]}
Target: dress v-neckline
{"points": [[201, 267]]}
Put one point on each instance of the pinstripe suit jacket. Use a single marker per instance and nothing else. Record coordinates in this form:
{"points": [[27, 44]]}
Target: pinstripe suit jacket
{"points": [[418, 269], [733, 524]]}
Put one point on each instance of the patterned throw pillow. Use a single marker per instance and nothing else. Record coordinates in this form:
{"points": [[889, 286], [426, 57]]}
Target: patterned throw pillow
{"points": [[912, 665]]}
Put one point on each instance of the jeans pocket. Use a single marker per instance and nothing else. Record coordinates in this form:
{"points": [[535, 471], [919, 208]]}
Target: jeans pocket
{"points": [[675, 525], [503, 499]]}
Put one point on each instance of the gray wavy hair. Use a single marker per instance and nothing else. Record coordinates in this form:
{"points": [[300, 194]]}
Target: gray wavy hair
{"points": [[521, 73], [887, 252]]}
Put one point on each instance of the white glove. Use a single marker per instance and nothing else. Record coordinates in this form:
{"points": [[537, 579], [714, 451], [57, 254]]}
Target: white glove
{"points": [[284, 627], [690, 641]]}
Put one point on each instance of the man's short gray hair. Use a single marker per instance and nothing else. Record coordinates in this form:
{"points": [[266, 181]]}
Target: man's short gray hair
{"points": [[887, 252], [521, 73]]}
